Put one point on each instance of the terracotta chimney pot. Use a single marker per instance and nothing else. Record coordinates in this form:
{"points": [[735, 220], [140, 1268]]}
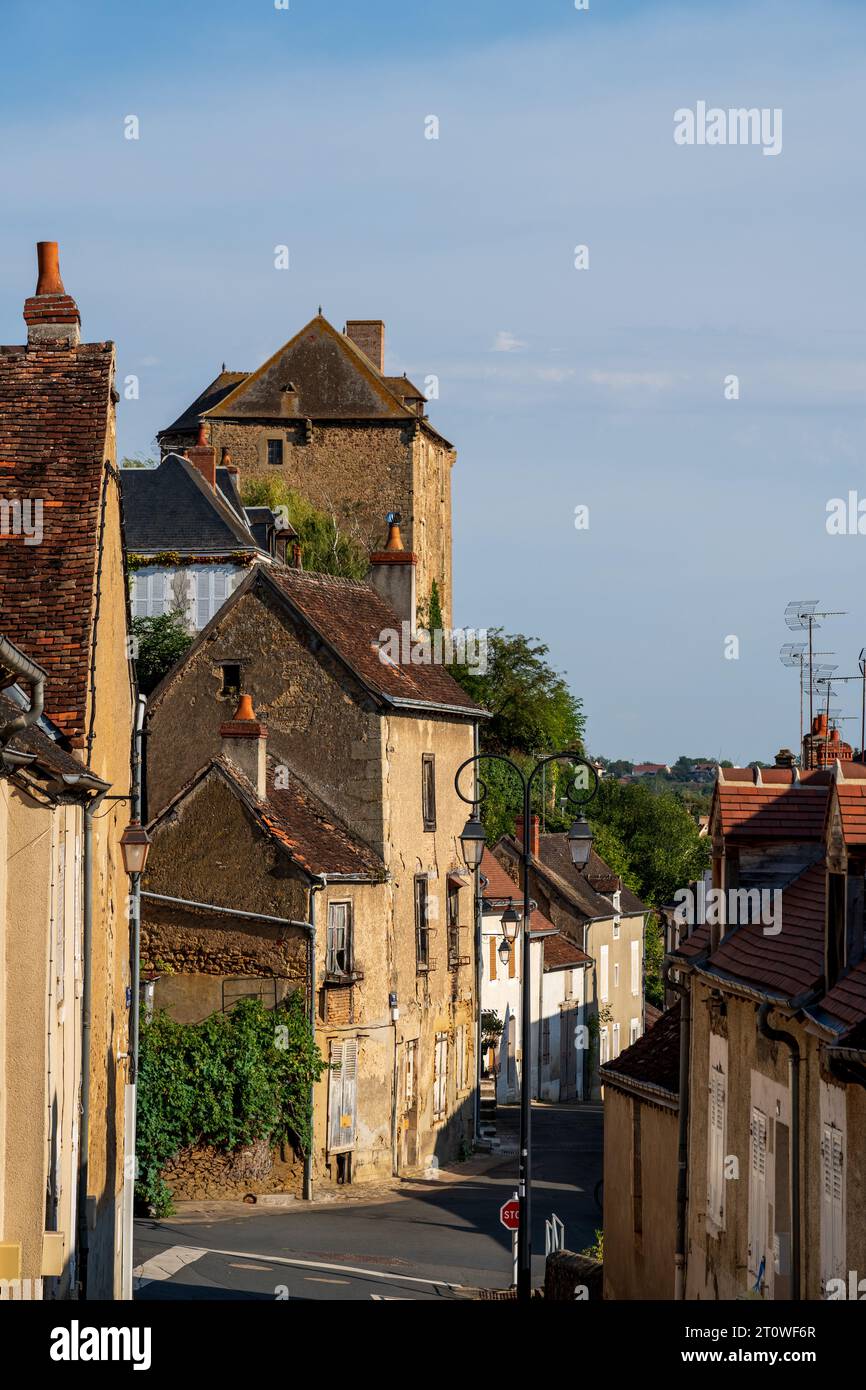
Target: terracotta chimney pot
{"points": [[48, 257], [245, 708]]}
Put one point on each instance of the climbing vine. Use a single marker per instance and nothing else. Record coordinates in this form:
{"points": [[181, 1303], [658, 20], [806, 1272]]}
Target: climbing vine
{"points": [[225, 1082]]}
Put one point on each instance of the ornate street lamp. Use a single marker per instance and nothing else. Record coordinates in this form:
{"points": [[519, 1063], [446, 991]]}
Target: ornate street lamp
{"points": [[510, 920], [134, 846], [581, 789]]}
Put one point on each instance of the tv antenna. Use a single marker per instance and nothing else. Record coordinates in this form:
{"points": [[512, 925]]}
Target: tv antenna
{"points": [[796, 654], [802, 615]]}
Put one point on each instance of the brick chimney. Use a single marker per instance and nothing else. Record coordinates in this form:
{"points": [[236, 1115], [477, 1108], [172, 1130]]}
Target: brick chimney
{"points": [[51, 314], [534, 835], [392, 572], [244, 743], [203, 457], [369, 336], [784, 758]]}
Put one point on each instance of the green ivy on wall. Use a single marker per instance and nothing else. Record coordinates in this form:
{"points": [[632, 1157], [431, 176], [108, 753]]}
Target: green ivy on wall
{"points": [[224, 1083]]}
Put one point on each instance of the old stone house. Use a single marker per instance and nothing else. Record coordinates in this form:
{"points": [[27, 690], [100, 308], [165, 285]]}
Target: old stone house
{"points": [[323, 415], [773, 999], [65, 1105], [374, 745], [605, 920], [190, 540]]}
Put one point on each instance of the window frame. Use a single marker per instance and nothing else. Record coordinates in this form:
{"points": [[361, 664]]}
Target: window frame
{"points": [[278, 441], [428, 791], [348, 947], [422, 923]]}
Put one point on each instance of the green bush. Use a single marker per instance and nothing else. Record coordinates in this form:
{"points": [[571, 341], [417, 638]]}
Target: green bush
{"points": [[159, 643], [325, 548], [225, 1082]]}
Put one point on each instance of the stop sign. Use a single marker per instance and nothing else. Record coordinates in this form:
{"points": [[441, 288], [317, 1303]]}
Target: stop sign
{"points": [[509, 1214]]}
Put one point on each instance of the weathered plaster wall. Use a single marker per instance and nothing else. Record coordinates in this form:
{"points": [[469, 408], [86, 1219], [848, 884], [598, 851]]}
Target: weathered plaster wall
{"points": [[639, 1265]]}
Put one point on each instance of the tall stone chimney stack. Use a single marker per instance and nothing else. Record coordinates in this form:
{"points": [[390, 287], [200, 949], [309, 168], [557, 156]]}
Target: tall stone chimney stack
{"points": [[369, 336], [51, 314], [392, 572]]}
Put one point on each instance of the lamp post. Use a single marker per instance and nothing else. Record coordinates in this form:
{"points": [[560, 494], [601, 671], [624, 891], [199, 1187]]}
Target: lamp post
{"points": [[581, 790]]}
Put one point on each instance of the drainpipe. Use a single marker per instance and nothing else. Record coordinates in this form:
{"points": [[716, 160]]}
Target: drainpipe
{"points": [[311, 951], [681, 987], [16, 661], [777, 1035]]}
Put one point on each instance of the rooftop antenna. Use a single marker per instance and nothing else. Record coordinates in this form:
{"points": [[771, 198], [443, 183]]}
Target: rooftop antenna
{"points": [[795, 654], [802, 615]]}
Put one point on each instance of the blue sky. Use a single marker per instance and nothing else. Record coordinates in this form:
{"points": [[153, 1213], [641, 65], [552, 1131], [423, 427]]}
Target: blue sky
{"points": [[560, 387]]}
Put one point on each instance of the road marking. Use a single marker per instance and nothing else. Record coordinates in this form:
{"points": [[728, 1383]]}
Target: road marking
{"points": [[337, 1269], [166, 1264], [320, 1279]]}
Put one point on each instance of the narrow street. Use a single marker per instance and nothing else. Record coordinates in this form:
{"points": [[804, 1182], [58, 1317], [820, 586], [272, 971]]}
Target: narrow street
{"points": [[421, 1240]]}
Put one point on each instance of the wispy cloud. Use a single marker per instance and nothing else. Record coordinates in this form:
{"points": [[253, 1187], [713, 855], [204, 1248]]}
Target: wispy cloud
{"points": [[506, 341]]}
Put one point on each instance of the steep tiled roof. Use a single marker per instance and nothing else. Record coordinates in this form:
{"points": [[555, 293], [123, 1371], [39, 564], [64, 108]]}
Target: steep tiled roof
{"points": [[55, 409], [598, 875], [787, 963], [40, 739], [852, 808], [777, 809], [172, 508], [651, 1015], [555, 866], [210, 396], [316, 839], [653, 1061], [351, 615], [846, 1001], [501, 887], [562, 954]]}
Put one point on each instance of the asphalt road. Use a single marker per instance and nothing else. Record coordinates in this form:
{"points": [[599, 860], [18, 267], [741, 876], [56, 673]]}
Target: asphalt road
{"points": [[428, 1240]]}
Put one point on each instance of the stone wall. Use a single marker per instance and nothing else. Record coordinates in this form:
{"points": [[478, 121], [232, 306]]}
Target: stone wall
{"points": [[569, 1278], [195, 1174]]}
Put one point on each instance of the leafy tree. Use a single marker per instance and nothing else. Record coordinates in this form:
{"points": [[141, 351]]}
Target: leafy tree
{"points": [[653, 834], [325, 547], [620, 767], [654, 950], [159, 643], [533, 709]]}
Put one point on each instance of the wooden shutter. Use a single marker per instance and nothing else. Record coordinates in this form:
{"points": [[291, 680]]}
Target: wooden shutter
{"points": [[832, 1209], [440, 1075], [717, 1106], [493, 957], [635, 967], [512, 961], [757, 1192], [342, 1097]]}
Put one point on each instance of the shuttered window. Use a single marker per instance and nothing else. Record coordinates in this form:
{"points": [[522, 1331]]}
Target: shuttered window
{"points": [[633, 1030], [422, 924], [615, 1052], [493, 958], [635, 968], [342, 1095], [604, 1047], [440, 1076], [758, 1194], [460, 1057], [833, 1260], [717, 1116], [149, 593], [603, 974], [212, 588]]}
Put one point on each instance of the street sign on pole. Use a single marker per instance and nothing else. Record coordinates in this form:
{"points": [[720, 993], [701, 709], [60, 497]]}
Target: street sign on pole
{"points": [[509, 1213]]}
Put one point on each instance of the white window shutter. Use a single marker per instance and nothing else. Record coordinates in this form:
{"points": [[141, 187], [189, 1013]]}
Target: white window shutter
{"points": [[757, 1192], [833, 1255], [635, 967], [717, 1105], [603, 974], [342, 1095]]}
